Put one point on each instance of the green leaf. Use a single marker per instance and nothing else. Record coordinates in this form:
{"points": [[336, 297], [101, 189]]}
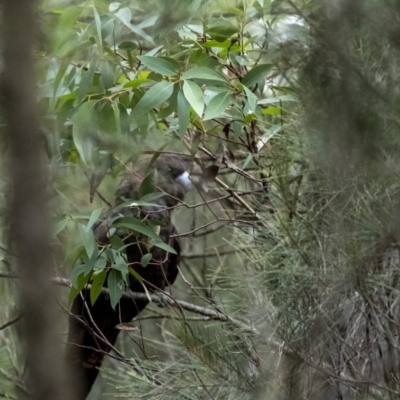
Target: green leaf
{"points": [[159, 65], [194, 96], [97, 286], [256, 74], [125, 16], [94, 216], [139, 83], [217, 105], [88, 240], [148, 184], [156, 95], [183, 114], [214, 43], [107, 75], [87, 79], [221, 29], [82, 121], [127, 46], [117, 117], [140, 280], [116, 242], [152, 196], [251, 98], [164, 246], [98, 28], [203, 73], [75, 274], [116, 287], [146, 259], [137, 226], [272, 111], [60, 226], [82, 280]]}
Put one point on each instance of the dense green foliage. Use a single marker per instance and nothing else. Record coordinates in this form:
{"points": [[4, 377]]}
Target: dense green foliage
{"points": [[296, 103]]}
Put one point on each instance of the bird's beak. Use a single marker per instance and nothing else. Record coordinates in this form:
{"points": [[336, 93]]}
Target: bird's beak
{"points": [[185, 180]]}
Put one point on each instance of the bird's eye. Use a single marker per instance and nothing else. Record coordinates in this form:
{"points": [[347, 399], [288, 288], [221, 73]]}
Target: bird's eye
{"points": [[169, 169]]}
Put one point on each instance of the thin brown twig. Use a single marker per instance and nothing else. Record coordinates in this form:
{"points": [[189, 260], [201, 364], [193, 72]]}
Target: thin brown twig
{"points": [[11, 322]]}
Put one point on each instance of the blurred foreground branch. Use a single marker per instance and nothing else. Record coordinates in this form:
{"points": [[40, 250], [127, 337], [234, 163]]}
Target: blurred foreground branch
{"points": [[28, 209]]}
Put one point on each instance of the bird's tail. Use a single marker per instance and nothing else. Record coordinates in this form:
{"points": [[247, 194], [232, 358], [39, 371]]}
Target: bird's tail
{"points": [[92, 334]]}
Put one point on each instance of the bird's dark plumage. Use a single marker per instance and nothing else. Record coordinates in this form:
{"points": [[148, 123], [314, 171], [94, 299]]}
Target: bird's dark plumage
{"points": [[88, 324]]}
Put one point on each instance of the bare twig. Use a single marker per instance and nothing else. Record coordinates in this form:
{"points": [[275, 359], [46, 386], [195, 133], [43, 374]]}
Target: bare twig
{"points": [[13, 321]]}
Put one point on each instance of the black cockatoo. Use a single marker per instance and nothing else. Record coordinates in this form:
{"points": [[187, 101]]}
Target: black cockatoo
{"points": [[85, 351]]}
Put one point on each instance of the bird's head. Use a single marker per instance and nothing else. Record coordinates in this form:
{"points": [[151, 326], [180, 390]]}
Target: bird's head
{"points": [[173, 177], [173, 174]]}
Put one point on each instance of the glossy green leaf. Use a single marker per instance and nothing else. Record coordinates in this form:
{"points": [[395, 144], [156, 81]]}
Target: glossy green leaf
{"points": [[97, 286], [183, 113], [203, 73], [127, 46], [124, 15], [88, 240], [139, 83], [140, 280], [194, 96], [94, 216], [256, 74], [272, 111], [221, 29], [116, 287], [146, 259], [82, 121], [107, 75], [98, 28], [148, 184], [137, 226], [217, 105], [164, 246], [87, 80], [75, 273], [81, 282], [116, 242], [214, 43], [159, 65], [251, 98], [152, 196], [60, 226], [156, 95]]}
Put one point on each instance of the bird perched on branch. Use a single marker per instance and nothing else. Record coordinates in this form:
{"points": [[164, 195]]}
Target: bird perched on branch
{"points": [[93, 328]]}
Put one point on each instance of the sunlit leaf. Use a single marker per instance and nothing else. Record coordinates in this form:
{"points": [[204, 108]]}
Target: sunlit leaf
{"points": [[146, 259], [93, 218], [97, 286], [221, 29], [82, 121], [98, 28], [194, 96], [159, 65], [251, 98], [116, 287], [217, 105], [164, 246], [156, 95], [136, 225], [256, 74], [203, 73], [183, 113]]}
